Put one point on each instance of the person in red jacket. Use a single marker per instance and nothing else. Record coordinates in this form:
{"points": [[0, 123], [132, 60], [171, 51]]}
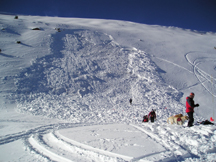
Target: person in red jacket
{"points": [[190, 108], [152, 115]]}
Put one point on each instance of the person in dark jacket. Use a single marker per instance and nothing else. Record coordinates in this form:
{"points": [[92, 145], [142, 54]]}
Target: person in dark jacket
{"points": [[152, 116], [190, 108], [130, 101]]}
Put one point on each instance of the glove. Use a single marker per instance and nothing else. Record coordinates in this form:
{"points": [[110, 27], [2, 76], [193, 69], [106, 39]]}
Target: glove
{"points": [[197, 105]]}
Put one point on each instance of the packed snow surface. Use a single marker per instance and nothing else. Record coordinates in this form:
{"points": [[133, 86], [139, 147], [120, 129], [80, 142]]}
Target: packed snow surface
{"points": [[65, 90]]}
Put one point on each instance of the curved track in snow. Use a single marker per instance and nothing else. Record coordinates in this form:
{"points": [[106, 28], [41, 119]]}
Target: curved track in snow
{"points": [[207, 80], [176, 143]]}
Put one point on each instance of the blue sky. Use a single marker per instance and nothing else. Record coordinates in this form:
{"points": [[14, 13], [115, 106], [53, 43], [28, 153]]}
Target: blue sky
{"points": [[189, 14]]}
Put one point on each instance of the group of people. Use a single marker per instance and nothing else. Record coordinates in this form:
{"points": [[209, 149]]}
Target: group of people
{"points": [[151, 116], [189, 110]]}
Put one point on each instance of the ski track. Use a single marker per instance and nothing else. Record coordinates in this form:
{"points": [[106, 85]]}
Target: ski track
{"points": [[40, 130], [199, 73], [45, 152], [173, 64], [47, 142]]}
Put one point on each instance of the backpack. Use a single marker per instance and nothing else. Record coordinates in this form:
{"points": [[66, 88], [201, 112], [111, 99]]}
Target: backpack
{"points": [[206, 122], [179, 119]]}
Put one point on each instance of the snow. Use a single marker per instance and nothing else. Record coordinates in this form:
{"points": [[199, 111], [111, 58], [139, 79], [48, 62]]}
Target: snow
{"points": [[65, 94]]}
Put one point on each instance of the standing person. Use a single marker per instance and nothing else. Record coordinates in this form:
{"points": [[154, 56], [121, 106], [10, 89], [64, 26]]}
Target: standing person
{"points": [[130, 101], [190, 108], [152, 116]]}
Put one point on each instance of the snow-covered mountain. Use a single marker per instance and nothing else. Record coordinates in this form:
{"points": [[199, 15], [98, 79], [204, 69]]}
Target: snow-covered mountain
{"points": [[65, 90]]}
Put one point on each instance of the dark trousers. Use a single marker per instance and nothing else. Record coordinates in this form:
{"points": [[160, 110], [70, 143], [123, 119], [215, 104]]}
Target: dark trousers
{"points": [[191, 119], [152, 119]]}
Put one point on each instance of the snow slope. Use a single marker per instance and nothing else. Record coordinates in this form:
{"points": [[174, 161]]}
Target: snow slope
{"points": [[65, 90]]}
